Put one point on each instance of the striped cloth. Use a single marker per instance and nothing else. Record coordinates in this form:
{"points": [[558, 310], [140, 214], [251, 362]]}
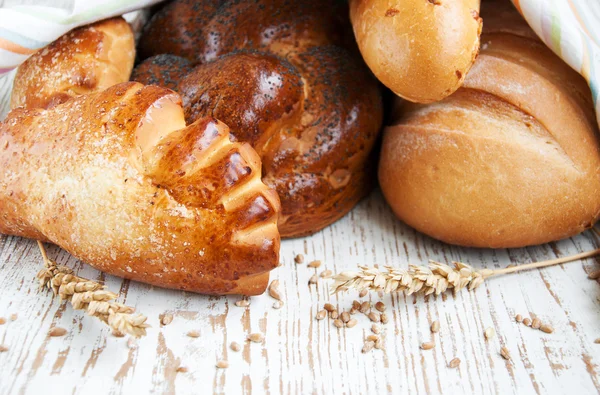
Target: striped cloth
{"points": [[571, 28]]}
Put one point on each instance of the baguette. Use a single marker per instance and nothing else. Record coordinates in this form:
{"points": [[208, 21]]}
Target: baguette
{"points": [[118, 180]]}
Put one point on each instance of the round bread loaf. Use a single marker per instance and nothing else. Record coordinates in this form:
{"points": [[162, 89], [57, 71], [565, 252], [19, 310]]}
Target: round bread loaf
{"points": [[420, 49], [287, 78], [509, 160]]}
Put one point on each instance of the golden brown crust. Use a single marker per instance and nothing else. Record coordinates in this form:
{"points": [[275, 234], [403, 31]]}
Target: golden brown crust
{"points": [[85, 60], [180, 207], [420, 49], [509, 160], [289, 83]]}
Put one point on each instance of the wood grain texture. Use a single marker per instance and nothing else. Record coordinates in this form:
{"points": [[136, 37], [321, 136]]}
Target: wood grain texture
{"points": [[301, 354]]}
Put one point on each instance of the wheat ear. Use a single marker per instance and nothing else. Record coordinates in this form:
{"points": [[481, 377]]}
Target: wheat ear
{"points": [[435, 278], [90, 296]]}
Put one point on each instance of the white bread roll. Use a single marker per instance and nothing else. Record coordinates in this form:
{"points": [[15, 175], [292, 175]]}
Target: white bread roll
{"points": [[509, 160]]}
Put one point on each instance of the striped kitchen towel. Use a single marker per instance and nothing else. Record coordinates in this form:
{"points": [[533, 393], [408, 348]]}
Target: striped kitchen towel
{"points": [[571, 28]]}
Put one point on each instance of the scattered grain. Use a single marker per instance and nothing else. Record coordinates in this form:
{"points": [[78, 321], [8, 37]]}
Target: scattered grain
{"points": [[242, 303], [334, 314], [364, 307], [489, 333], [3, 348], [519, 318], [505, 354], [375, 329], [13, 317], [256, 337], [379, 344], [117, 333], [454, 363], [597, 341], [427, 345], [435, 326], [345, 316], [363, 293], [313, 279], [368, 347], [193, 334], [527, 321], [278, 304], [355, 305], [338, 323], [321, 315], [235, 346], [536, 323], [166, 319], [314, 264], [299, 258], [594, 275], [274, 290], [352, 323], [329, 307], [373, 316], [326, 274], [546, 328], [181, 369], [372, 338], [222, 364], [2, 320], [57, 332], [379, 306], [384, 318]]}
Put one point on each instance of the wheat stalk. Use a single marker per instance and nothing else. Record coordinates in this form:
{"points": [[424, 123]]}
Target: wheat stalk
{"points": [[90, 296], [435, 278]]}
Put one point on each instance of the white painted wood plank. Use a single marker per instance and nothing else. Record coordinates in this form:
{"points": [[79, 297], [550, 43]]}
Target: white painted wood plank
{"points": [[303, 355]]}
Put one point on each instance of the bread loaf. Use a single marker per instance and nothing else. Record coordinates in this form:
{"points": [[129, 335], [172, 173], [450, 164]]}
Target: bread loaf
{"points": [[509, 160], [86, 60], [420, 49], [287, 78], [118, 180]]}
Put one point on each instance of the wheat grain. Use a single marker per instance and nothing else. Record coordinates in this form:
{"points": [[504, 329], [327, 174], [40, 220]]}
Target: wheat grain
{"points": [[379, 306], [505, 353], [2, 320], [256, 337], [435, 278], [352, 323], [375, 329], [313, 279], [329, 307], [14, 316], [193, 334], [597, 341], [166, 319], [277, 304], [345, 317], [427, 345], [57, 332], [326, 274], [489, 333], [222, 364], [321, 315], [314, 264], [594, 275], [363, 293], [527, 321], [3, 348], [373, 316], [546, 328], [334, 314], [536, 323], [338, 323], [181, 369], [435, 327], [274, 290], [368, 346], [89, 296], [519, 318], [364, 307], [235, 346], [454, 363], [299, 258], [242, 303], [372, 338], [384, 318]]}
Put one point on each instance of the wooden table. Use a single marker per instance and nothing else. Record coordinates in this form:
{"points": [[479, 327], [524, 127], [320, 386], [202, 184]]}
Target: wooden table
{"points": [[301, 354]]}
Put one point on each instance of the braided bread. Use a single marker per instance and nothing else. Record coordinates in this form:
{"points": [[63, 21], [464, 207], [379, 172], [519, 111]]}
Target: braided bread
{"points": [[119, 181], [287, 78]]}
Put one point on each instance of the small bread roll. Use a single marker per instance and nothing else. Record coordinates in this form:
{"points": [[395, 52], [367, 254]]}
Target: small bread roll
{"points": [[85, 60], [509, 160], [420, 49]]}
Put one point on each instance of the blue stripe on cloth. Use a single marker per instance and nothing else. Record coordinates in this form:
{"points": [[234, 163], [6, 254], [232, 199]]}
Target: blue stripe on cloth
{"points": [[21, 40]]}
